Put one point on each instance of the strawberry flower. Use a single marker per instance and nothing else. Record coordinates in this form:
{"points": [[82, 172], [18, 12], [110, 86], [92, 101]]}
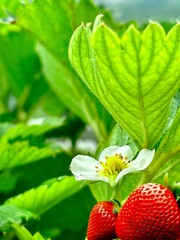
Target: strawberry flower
{"points": [[114, 162]]}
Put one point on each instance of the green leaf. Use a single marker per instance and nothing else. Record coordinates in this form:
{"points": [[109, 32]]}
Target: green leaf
{"points": [[101, 191], [175, 104], [52, 167], [168, 152], [18, 144], [119, 137], [7, 181], [4, 127], [135, 77], [35, 127], [69, 217], [170, 144], [172, 167], [8, 9], [69, 91], [38, 236], [60, 13], [54, 56], [22, 233], [21, 73], [16, 70], [4, 88], [20, 153], [47, 195], [13, 214], [127, 185], [73, 93]]}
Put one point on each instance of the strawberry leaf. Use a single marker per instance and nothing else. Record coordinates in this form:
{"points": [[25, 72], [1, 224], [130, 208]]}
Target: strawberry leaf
{"points": [[38, 236], [22, 233], [34, 127], [7, 181], [47, 195], [101, 191], [172, 167], [20, 153], [119, 137], [135, 77], [169, 147], [72, 92], [13, 214], [16, 148]]}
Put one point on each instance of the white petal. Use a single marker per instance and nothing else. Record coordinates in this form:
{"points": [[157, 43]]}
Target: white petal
{"points": [[142, 161], [124, 172], [112, 150], [85, 167]]}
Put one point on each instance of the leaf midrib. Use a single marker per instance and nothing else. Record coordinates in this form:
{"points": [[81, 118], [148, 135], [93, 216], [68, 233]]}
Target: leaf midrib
{"points": [[115, 77], [140, 94]]}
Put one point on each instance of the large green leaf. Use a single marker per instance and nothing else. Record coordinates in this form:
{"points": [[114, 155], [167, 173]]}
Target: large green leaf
{"points": [[135, 77], [47, 195], [10, 214]]}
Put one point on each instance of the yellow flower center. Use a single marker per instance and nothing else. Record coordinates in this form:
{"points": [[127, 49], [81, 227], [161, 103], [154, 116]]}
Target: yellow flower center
{"points": [[113, 165]]}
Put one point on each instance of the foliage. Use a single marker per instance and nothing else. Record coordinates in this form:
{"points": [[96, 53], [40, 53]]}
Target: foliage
{"points": [[65, 83], [127, 69]]}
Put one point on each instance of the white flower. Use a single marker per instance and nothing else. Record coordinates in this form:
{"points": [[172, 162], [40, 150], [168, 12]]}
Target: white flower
{"points": [[113, 163]]}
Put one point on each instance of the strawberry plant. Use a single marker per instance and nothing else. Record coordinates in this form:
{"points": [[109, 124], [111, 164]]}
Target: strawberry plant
{"points": [[89, 116]]}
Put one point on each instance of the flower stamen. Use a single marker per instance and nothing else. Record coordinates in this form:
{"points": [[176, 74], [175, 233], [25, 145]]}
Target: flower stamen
{"points": [[113, 165]]}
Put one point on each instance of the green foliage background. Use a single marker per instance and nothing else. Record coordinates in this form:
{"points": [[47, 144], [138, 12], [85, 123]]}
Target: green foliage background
{"points": [[47, 112]]}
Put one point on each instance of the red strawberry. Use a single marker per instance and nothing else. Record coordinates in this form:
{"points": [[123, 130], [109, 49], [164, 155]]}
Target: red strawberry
{"points": [[150, 212], [102, 220]]}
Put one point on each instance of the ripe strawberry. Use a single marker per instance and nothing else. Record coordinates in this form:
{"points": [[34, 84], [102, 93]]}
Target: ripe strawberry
{"points": [[102, 220], [150, 212]]}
